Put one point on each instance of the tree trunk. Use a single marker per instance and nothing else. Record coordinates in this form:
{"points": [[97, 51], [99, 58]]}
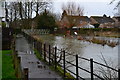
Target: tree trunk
{"points": [[37, 9], [28, 9], [25, 10], [20, 10], [6, 11], [31, 9]]}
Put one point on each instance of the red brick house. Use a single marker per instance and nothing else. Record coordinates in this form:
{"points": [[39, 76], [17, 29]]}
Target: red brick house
{"points": [[102, 21], [68, 21], [117, 21]]}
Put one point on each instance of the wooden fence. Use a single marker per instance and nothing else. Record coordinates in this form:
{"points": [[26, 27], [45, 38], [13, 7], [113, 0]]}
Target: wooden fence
{"points": [[57, 57], [20, 73], [37, 31]]}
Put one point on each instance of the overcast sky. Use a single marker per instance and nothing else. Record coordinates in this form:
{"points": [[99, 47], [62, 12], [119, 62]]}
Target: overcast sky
{"points": [[91, 7]]}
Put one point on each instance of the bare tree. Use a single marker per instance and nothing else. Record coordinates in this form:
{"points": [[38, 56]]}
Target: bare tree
{"points": [[73, 9], [13, 10], [31, 3], [118, 3], [6, 11], [25, 10], [28, 10], [20, 10], [11, 13], [38, 7]]}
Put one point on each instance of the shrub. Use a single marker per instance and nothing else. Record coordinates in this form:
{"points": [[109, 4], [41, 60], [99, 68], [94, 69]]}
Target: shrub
{"points": [[46, 21], [3, 24]]}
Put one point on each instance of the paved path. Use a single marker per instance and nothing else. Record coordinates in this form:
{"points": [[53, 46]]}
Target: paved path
{"points": [[37, 69]]}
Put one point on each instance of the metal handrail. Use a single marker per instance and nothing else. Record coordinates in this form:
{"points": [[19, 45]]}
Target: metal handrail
{"points": [[74, 64]]}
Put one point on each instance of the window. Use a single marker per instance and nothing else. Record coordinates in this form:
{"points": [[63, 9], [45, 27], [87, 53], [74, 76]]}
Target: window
{"points": [[74, 20], [80, 21]]}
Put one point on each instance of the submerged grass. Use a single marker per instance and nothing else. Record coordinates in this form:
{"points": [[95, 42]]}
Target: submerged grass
{"points": [[8, 71]]}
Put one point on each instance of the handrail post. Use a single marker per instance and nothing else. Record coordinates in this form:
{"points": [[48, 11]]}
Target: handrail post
{"points": [[19, 63], [77, 73], [49, 53], [55, 58], [118, 74], [64, 62], [34, 43], [37, 45], [25, 73], [44, 51], [41, 48], [19, 59], [91, 68], [15, 59]]}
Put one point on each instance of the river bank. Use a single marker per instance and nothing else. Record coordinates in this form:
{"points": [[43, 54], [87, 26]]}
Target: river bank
{"points": [[97, 40], [90, 35], [102, 32]]}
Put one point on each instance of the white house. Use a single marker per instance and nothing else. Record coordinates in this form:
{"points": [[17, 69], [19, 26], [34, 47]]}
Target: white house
{"points": [[2, 12]]}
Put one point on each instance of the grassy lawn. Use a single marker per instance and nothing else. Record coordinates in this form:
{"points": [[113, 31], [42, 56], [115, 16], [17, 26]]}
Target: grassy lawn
{"points": [[7, 65]]}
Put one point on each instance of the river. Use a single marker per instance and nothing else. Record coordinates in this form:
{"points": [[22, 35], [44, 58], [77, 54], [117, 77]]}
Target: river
{"points": [[85, 49]]}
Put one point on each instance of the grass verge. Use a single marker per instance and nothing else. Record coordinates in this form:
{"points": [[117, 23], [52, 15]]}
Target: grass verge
{"points": [[8, 71], [0, 65]]}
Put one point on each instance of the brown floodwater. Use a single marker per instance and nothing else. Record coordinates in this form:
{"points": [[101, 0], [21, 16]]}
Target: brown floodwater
{"points": [[87, 50]]}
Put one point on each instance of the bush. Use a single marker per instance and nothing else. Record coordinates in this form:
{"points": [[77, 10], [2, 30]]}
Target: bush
{"points": [[3, 24], [46, 21]]}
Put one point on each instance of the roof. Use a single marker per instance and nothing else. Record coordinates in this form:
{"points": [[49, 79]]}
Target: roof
{"points": [[85, 18], [101, 19], [78, 18], [118, 18]]}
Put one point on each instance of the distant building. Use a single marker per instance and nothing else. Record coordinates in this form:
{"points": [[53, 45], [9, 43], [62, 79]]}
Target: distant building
{"points": [[117, 21], [116, 17], [69, 21], [102, 21]]}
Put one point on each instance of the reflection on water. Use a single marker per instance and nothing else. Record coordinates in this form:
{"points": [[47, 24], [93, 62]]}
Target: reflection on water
{"points": [[84, 49], [111, 39], [70, 45]]}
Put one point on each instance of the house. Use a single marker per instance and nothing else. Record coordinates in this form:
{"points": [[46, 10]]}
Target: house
{"points": [[102, 21], [117, 21], [69, 21]]}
